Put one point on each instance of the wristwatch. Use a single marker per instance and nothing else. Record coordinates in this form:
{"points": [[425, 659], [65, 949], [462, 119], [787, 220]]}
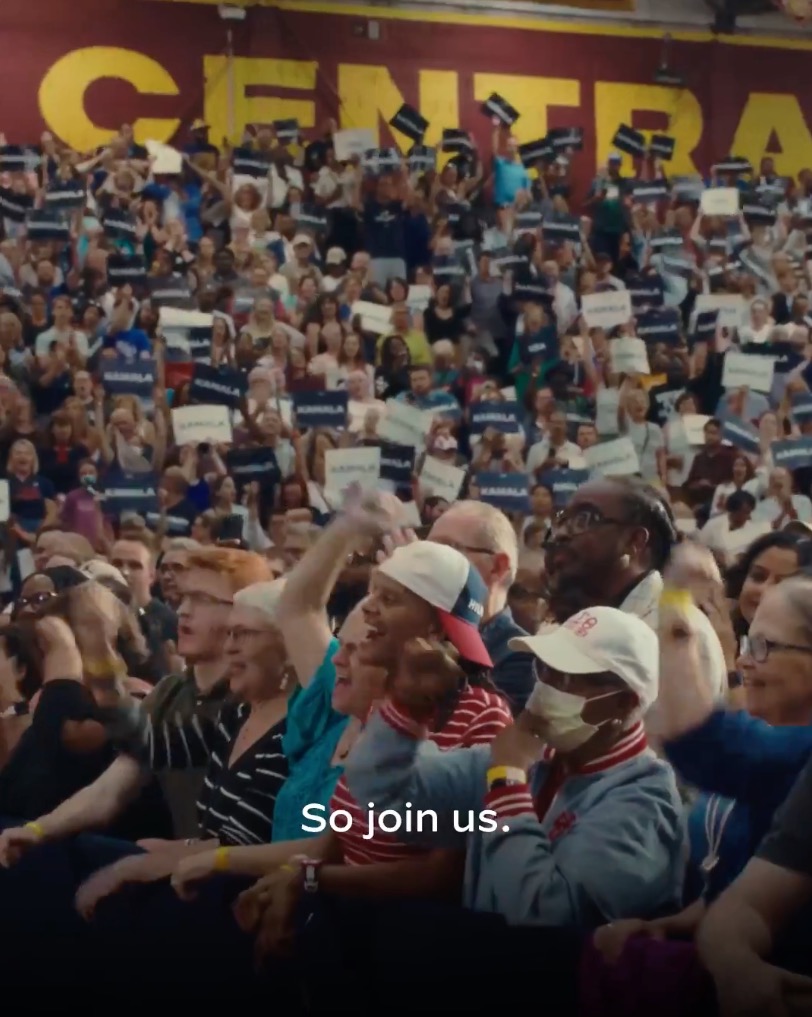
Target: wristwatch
{"points": [[310, 871]]}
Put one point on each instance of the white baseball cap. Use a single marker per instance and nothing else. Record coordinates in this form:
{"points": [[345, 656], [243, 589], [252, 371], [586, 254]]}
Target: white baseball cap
{"points": [[336, 256], [444, 578], [262, 597], [100, 570], [302, 238], [598, 640]]}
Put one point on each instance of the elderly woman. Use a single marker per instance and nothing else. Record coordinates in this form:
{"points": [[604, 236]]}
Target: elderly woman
{"points": [[32, 497]]}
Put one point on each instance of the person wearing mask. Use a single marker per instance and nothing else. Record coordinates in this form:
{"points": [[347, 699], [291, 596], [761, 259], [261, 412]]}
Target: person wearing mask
{"points": [[583, 811]]}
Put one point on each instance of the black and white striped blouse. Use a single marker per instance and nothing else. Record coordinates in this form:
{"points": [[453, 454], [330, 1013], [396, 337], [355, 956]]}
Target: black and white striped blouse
{"points": [[236, 803]]}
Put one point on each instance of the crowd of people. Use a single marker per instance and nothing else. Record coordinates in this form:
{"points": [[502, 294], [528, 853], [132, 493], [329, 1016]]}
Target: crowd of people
{"points": [[406, 573]]}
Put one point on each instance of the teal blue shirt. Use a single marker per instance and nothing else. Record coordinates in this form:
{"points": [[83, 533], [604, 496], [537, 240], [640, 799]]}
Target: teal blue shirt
{"points": [[312, 734]]}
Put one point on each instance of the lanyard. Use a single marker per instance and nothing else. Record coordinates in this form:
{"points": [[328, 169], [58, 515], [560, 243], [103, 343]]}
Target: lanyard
{"points": [[714, 831]]}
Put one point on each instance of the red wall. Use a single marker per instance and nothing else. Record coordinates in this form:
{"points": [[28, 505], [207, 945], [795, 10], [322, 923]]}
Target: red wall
{"points": [[721, 76]]}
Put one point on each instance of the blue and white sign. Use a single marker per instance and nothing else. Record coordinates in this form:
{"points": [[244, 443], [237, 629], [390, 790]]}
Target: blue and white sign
{"points": [[502, 417], [741, 435], [506, 491], [321, 409], [792, 454]]}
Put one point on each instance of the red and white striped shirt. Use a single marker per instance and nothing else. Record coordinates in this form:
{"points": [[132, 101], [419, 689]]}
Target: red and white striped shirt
{"points": [[480, 715]]}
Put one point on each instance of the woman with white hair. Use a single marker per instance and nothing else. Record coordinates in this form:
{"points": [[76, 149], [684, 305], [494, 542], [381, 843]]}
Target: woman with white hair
{"points": [[31, 496], [242, 747]]}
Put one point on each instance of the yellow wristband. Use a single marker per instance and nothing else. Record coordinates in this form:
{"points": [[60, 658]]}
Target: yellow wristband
{"points": [[673, 597], [221, 859], [288, 868], [512, 773], [36, 828]]}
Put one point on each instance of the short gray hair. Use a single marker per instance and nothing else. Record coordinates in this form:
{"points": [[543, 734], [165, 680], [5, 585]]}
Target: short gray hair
{"points": [[182, 544], [495, 531], [798, 592]]}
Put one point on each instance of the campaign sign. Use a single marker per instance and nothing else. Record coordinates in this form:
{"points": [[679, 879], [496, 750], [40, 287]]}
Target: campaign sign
{"points": [[792, 454], [222, 386], [397, 462], [129, 492], [564, 484], [506, 491], [741, 435], [659, 326], [120, 376], [543, 343], [321, 409], [259, 464], [502, 417], [616, 458]]}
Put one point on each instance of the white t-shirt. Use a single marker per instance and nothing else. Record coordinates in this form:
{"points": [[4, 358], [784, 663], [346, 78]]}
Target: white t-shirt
{"points": [[647, 439]]}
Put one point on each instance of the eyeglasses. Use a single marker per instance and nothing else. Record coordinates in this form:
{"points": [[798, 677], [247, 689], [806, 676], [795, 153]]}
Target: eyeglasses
{"points": [[174, 566], [581, 519], [34, 600], [463, 548], [197, 599], [760, 648]]}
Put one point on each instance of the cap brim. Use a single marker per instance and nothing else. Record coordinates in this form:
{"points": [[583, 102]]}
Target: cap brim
{"points": [[558, 651], [465, 638]]}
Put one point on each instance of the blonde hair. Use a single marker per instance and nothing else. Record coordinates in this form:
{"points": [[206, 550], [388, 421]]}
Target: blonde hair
{"points": [[24, 445]]}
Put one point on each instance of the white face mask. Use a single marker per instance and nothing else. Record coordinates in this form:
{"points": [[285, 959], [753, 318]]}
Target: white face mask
{"points": [[561, 712]]}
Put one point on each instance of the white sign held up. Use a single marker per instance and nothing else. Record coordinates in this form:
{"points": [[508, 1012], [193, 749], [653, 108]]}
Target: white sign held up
{"points": [[605, 310], [720, 201], [629, 356], [195, 424], [353, 141], [441, 479], [743, 370], [346, 466], [613, 458]]}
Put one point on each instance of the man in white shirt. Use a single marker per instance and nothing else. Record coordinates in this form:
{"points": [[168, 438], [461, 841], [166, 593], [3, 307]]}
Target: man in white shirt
{"points": [[335, 269], [761, 325], [564, 303], [554, 450]]}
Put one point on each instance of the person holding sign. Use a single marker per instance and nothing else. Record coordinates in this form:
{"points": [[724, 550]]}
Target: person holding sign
{"points": [[646, 437]]}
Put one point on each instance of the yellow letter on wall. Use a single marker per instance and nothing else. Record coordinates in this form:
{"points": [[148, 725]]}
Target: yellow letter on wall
{"points": [[260, 109], [615, 104], [367, 94], [62, 94], [531, 96], [765, 113]]}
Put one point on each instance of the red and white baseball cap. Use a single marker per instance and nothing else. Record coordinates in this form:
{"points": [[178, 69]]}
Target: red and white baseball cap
{"points": [[445, 579], [598, 640]]}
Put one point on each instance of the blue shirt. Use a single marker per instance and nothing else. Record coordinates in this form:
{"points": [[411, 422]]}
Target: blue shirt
{"points": [[509, 178], [311, 736], [131, 343]]}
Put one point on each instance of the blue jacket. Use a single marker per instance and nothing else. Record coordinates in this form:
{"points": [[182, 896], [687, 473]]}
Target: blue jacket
{"points": [[737, 756], [512, 672], [610, 846]]}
